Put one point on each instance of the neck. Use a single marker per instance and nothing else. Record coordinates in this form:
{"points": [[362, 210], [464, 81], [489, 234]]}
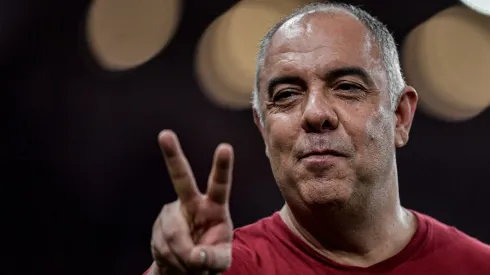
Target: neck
{"points": [[355, 235]]}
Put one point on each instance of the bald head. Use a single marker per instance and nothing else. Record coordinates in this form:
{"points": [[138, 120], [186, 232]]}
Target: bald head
{"points": [[377, 37]]}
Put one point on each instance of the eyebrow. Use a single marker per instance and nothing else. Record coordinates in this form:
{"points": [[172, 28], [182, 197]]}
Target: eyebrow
{"points": [[330, 77]]}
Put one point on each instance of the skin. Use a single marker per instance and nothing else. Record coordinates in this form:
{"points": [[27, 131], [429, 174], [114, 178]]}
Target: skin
{"points": [[193, 233], [312, 102], [344, 202]]}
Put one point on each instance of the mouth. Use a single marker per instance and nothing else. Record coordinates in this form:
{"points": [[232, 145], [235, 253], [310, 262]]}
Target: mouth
{"points": [[321, 159], [322, 153]]}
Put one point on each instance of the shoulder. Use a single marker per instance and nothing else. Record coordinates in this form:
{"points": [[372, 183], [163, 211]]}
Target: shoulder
{"points": [[471, 250], [449, 239]]}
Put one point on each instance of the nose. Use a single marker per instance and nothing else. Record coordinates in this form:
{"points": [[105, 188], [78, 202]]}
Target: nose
{"points": [[318, 115]]}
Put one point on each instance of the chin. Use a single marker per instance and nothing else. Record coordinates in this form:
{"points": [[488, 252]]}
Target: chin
{"points": [[325, 192]]}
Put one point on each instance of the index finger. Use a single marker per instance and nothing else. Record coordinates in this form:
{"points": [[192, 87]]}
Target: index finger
{"points": [[178, 167]]}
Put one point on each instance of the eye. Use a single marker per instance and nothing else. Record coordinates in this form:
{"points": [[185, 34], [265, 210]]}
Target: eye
{"points": [[284, 94], [349, 87]]}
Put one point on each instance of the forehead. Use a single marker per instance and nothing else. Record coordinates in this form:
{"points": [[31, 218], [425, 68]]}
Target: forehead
{"points": [[321, 40]]}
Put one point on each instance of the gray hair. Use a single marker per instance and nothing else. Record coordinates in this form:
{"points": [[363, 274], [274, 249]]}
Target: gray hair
{"points": [[380, 34]]}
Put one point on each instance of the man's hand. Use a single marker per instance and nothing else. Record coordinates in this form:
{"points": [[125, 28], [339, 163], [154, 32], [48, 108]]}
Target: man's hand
{"points": [[194, 233]]}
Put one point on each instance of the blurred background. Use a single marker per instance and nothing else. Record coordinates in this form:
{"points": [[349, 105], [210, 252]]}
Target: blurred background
{"points": [[87, 86]]}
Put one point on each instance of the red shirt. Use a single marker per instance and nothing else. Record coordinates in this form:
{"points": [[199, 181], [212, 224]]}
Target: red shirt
{"points": [[268, 247]]}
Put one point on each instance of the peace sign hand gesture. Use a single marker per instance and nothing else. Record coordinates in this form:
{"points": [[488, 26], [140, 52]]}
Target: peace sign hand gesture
{"points": [[194, 233]]}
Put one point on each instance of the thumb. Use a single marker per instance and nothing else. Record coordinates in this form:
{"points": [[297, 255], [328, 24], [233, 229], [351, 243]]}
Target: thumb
{"points": [[211, 257]]}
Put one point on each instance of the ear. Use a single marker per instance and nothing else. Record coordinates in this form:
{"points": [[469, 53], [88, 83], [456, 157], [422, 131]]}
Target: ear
{"points": [[404, 114], [261, 129]]}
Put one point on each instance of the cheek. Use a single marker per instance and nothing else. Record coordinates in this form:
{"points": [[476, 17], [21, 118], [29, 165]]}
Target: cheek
{"points": [[380, 128], [281, 135], [370, 132], [374, 131], [376, 145]]}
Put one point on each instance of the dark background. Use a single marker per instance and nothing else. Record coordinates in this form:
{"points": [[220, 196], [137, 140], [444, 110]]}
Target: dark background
{"points": [[84, 179]]}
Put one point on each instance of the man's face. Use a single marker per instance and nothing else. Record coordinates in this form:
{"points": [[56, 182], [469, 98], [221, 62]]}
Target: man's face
{"points": [[329, 126]]}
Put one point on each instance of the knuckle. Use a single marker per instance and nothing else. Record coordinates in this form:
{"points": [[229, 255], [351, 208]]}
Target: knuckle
{"points": [[169, 209], [164, 253], [158, 246], [167, 215], [166, 209], [177, 172], [171, 234], [161, 254]]}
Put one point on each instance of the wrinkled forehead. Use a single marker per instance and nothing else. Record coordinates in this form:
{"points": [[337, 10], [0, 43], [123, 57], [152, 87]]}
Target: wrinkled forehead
{"points": [[319, 40]]}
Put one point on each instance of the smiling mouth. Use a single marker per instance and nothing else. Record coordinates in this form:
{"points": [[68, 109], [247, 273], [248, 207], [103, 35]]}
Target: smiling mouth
{"points": [[322, 153], [321, 159]]}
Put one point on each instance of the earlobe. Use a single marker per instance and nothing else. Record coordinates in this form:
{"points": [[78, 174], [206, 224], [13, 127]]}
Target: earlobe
{"points": [[399, 143], [401, 135]]}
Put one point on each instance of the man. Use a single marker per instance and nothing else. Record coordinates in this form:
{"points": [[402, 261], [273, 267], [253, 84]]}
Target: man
{"points": [[332, 107]]}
